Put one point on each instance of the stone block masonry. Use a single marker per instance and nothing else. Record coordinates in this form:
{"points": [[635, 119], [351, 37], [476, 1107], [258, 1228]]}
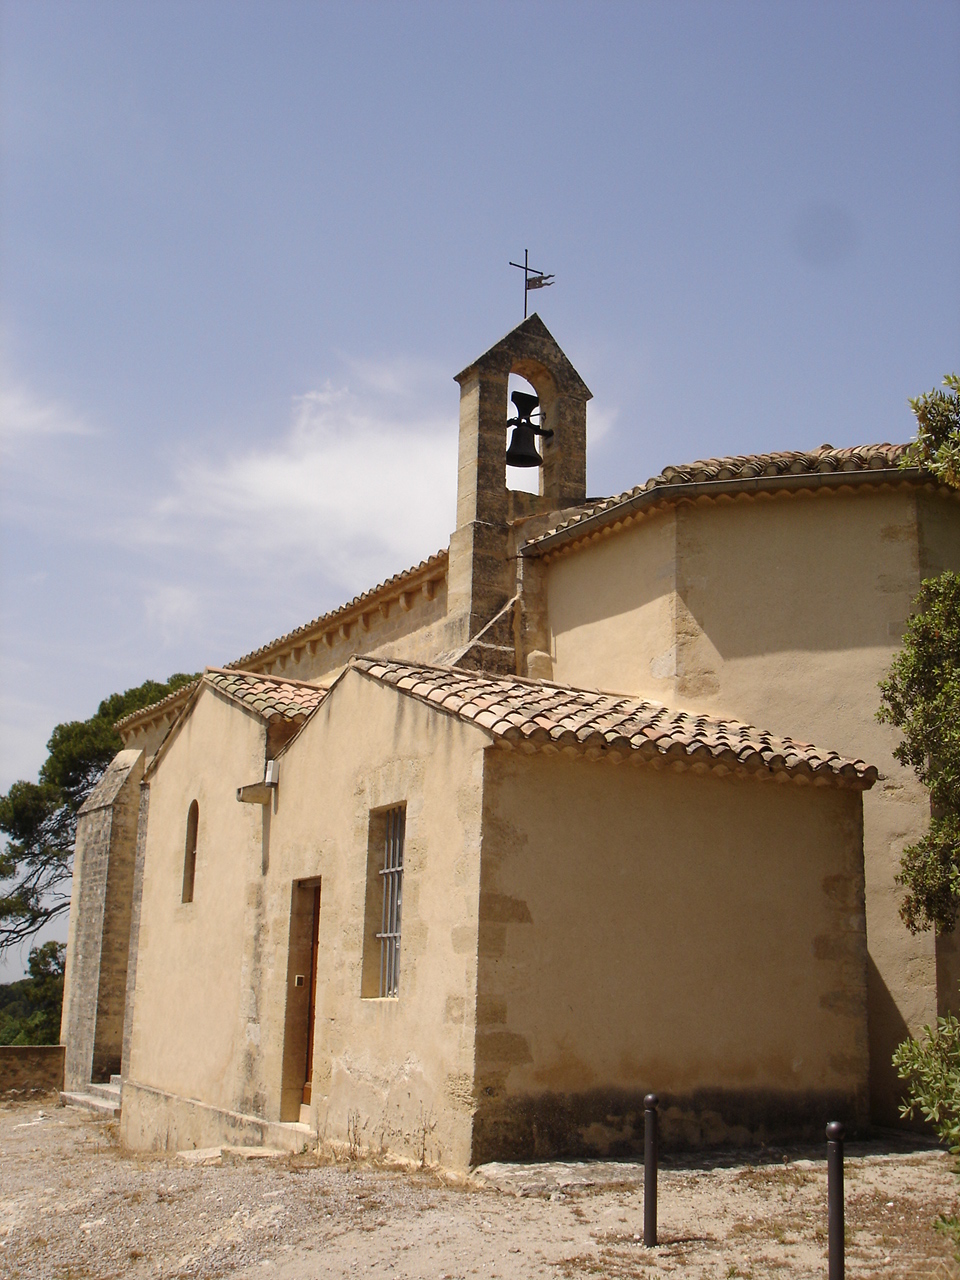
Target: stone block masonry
{"points": [[31, 1066], [96, 977]]}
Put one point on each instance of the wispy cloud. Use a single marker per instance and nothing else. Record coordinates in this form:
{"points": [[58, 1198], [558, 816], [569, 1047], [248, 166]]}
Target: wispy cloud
{"points": [[600, 422], [348, 480], [172, 608], [24, 415], [399, 376]]}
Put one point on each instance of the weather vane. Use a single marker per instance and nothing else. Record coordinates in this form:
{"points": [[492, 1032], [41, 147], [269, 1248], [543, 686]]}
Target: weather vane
{"points": [[531, 279]]}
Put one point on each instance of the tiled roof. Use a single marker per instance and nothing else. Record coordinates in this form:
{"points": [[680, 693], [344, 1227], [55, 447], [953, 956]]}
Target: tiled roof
{"points": [[864, 457], [269, 696], [328, 620], [167, 705], [869, 463], [537, 715]]}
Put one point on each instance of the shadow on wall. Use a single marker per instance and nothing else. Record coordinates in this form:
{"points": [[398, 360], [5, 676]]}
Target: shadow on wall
{"points": [[740, 577], [887, 1030]]}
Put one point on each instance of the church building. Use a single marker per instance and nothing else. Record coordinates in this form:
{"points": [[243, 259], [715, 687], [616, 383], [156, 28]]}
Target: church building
{"points": [[588, 804]]}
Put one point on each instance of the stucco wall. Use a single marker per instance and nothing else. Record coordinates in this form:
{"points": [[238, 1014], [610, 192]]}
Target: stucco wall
{"points": [[400, 1070], [787, 612], [611, 611], [188, 1036], [215, 992], [416, 625], [646, 930]]}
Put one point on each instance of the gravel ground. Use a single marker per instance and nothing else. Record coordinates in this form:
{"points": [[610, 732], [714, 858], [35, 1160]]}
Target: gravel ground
{"points": [[72, 1206]]}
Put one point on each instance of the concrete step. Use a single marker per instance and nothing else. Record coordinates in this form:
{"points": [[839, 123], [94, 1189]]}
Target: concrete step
{"points": [[115, 1081], [110, 1092], [102, 1107]]}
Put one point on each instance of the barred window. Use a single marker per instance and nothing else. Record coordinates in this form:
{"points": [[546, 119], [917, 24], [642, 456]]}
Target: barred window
{"points": [[384, 902]]}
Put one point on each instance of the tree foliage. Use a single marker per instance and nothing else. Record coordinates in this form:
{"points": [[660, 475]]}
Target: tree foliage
{"points": [[30, 1008], [937, 446], [930, 1069], [39, 819], [921, 696]]}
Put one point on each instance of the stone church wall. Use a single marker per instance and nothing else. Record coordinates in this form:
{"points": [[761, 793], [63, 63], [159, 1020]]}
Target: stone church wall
{"points": [[645, 930], [102, 891], [215, 1044], [786, 612], [192, 1000]]}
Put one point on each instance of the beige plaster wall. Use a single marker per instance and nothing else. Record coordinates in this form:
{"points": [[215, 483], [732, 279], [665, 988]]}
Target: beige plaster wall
{"points": [[648, 930], [214, 983], [398, 1072], [787, 612], [192, 1032], [611, 611]]}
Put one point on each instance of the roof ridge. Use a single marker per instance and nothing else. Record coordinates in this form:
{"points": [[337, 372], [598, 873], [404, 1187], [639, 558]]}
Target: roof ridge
{"points": [[260, 675], [356, 658]]}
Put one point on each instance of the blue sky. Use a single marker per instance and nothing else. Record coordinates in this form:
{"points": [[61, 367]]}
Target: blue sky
{"points": [[247, 245]]}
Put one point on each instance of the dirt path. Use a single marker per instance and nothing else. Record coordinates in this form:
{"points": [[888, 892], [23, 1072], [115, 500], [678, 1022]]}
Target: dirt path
{"points": [[73, 1207]]}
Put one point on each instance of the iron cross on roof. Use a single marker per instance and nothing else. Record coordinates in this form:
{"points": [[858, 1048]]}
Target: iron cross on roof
{"points": [[532, 279]]}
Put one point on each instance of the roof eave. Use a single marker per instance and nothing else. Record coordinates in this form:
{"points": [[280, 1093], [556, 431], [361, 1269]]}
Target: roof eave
{"points": [[164, 709], [846, 775], [690, 490]]}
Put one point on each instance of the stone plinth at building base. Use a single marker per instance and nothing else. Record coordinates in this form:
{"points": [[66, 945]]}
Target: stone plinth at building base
{"points": [[153, 1120]]}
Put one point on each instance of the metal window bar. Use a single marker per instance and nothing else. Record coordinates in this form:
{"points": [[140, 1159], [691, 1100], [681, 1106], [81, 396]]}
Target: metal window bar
{"points": [[392, 874]]}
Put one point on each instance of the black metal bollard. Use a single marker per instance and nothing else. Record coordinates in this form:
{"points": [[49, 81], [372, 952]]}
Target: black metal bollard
{"points": [[650, 1103], [835, 1266]]}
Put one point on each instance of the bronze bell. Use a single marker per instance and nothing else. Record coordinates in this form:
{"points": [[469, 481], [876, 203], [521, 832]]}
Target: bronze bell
{"points": [[523, 448]]}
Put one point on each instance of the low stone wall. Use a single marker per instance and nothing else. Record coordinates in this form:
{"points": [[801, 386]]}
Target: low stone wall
{"points": [[31, 1066]]}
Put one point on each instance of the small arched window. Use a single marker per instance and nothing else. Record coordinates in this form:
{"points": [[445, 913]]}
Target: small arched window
{"points": [[190, 852]]}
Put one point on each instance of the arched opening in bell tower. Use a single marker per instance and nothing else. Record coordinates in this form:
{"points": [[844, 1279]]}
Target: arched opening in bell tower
{"points": [[522, 479], [529, 377]]}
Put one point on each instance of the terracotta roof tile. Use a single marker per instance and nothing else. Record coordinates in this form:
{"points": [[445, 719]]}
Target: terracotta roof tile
{"points": [[536, 713], [173, 701], [268, 696], [861, 463]]}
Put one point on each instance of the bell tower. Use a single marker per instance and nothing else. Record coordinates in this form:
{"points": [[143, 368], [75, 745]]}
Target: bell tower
{"points": [[481, 577]]}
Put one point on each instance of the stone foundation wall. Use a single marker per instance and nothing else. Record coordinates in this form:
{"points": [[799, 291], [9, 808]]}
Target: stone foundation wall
{"points": [[153, 1120], [608, 1123], [31, 1066]]}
